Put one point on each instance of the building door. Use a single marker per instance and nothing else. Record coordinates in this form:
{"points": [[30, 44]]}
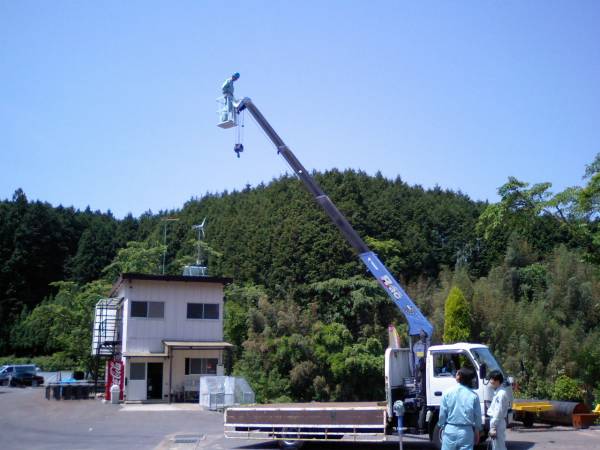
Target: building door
{"points": [[155, 380], [136, 384]]}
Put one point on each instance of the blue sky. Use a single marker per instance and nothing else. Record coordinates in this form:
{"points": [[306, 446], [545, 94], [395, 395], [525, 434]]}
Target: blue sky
{"points": [[112, 104]]}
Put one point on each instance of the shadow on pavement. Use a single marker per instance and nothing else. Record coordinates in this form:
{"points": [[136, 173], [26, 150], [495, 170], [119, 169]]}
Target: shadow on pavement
{"points": [[519, 445], [411, 445], [539, 428], [270, 444]]}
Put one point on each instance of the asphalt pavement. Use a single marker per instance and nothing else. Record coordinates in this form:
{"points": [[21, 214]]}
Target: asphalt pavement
{"points": [[29, 421]]}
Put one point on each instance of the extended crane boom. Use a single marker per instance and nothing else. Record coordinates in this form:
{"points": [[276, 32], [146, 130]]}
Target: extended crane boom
{"points": [[417, 323]]}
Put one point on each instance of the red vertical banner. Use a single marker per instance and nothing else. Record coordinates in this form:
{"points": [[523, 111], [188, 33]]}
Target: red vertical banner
{"points": [[114, 374]]}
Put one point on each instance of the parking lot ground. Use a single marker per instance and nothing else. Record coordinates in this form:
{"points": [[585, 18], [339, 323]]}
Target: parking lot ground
{"points": [[29, 421]]}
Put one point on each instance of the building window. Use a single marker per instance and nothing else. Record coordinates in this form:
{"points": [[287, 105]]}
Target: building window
{"points": [[137, 371], [156, 310], [152, 310], [201, 366], [202, 310], [139, 309], [211, 311]]}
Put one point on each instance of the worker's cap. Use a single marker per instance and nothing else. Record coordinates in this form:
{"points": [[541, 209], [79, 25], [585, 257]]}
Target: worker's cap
{"points": [[236, 75]]}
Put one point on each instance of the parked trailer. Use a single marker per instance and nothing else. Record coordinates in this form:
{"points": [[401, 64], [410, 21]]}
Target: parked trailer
{"points": [[573, 414], [287, 422]]}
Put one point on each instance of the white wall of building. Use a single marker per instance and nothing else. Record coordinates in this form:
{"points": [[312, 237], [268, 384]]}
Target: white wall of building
{"points": [[148, 334]]}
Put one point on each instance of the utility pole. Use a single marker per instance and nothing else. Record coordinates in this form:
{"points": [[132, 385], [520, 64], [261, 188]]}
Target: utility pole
{"points": [[166, 220]]}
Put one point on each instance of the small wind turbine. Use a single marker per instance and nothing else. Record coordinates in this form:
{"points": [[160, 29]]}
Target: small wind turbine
{"points": [[201, 236]]}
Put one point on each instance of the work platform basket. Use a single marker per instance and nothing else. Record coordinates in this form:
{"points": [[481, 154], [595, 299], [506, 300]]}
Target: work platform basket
{"points": [[226, 112]]}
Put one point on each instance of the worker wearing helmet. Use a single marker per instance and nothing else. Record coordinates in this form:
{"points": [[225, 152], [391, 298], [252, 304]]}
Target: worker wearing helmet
{"points": [[460, 414], [227, 90], [227, 87], [498, 411]]}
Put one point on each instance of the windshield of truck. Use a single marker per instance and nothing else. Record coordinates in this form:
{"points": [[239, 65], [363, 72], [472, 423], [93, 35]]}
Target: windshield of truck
{"points": [[484, 356]]}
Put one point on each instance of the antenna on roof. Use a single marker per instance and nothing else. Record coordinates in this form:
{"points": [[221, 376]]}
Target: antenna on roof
{"points": [[166, 220]]}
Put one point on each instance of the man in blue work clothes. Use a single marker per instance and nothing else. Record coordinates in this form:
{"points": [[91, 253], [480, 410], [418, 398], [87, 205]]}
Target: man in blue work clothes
{"points": [[498, 411], [460, 414], [227, 90]]}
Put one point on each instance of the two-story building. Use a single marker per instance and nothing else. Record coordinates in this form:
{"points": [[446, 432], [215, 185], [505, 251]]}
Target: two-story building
{"points": [[168, 330]]}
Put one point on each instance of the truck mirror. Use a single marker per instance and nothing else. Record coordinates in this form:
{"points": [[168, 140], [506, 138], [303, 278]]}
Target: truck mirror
{"points": [[482, 371]]}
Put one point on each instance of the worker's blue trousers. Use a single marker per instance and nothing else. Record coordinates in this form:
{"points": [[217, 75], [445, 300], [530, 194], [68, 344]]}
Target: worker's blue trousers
{"points": [[458, 437]]}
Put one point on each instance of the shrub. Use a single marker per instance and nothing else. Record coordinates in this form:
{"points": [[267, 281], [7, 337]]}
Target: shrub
{"points": [[567, 389]]}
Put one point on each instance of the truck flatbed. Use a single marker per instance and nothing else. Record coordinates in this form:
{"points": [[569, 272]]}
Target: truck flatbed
{"points": [[364, 421]]}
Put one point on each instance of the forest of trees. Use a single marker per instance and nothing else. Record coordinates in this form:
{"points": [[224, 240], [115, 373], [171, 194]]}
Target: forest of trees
{"points": [[307, 321]]}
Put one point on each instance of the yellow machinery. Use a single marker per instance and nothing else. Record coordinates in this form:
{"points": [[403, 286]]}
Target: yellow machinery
{"points": [[526, 411]]}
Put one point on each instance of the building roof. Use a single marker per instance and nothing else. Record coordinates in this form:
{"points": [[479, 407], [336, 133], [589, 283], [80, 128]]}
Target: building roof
{"points": [[168, 278]]}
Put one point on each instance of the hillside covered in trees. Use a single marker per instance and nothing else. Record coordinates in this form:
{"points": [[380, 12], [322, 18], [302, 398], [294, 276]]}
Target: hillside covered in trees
{"points": [[307, 321]]}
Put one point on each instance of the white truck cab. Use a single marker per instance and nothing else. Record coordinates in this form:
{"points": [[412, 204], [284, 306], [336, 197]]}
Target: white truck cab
{"points": [[441, 363]]}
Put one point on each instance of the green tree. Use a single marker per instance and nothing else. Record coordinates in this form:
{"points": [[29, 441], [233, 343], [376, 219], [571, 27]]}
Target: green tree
{"points": [[138, 257], [96, 249], [62, 324], [457, 318]]}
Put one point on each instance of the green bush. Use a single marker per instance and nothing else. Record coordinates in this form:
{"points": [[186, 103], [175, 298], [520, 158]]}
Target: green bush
{"points": [[567, 389], [51, 363], [57, 361], [12, 359]]}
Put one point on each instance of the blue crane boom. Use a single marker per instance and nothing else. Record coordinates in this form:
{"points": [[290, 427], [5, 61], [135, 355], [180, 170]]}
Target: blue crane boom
{"points": [[417, 323]]}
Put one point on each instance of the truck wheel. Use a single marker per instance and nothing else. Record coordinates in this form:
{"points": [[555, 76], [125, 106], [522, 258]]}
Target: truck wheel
{"points": [[436, 438], [528, 420], [291, 444]]}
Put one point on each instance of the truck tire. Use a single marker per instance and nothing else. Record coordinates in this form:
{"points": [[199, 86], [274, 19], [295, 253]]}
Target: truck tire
{"points": [[436, 437], [291, 444], [528, 420]]}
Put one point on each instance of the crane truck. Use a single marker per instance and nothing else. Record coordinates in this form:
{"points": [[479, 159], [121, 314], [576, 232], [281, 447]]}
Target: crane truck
{"points": [[415, 377]]}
